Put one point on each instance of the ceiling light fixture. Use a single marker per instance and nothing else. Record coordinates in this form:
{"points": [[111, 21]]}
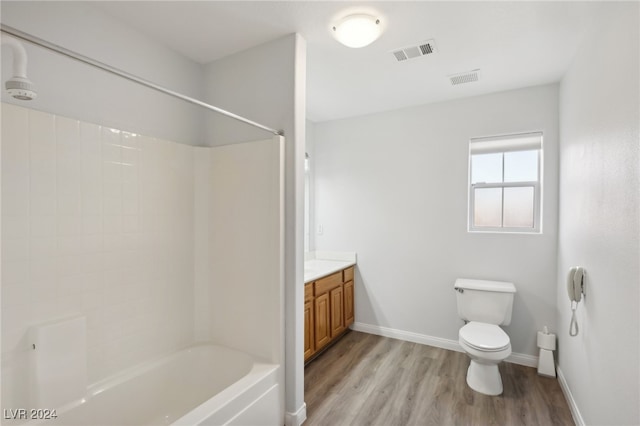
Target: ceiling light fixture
{"points": [[357, 30]]}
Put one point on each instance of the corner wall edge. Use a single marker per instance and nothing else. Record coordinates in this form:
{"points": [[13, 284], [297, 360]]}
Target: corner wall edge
{"points": [[297, 418]]}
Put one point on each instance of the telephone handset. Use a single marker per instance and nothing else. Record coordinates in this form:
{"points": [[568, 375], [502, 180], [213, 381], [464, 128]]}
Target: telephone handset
{"points": [[575, 289], [575, 283]]}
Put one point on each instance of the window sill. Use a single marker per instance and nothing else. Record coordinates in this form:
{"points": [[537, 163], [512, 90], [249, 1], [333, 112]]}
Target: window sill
{"points": [[474, 231]]}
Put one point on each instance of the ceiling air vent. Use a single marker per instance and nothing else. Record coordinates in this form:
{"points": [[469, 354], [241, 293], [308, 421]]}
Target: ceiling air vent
{"points": [[411, 52], [465, 77]]}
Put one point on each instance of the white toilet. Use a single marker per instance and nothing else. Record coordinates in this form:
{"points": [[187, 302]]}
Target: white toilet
{"points": [[484, 306]]}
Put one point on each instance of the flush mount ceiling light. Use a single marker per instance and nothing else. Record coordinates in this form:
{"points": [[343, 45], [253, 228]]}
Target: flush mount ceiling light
{"points": [[357, 30]]}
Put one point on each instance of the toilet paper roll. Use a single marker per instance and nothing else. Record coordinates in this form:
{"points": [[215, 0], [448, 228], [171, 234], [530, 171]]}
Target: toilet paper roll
{"points": [[546, 341]]}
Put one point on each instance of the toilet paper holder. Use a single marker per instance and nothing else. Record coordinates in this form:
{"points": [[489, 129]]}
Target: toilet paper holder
{"points": [[547, 344], [546, 340]]}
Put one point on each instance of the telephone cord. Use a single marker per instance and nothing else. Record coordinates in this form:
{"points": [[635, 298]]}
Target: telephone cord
{"points": [[573, 326]]}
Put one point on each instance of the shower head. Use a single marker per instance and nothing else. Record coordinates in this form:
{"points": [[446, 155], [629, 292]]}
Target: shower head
{"points": [[19, 86]]}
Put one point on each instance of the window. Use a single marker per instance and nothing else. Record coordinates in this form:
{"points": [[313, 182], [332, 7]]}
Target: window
{"points": [[504, 183]]}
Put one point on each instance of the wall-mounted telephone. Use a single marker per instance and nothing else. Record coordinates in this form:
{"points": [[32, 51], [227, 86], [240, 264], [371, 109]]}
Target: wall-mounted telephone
{"points": [[575, 290], [575, 282]]}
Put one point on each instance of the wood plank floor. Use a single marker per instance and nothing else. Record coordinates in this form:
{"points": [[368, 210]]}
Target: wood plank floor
{"points": [[371, 380]]}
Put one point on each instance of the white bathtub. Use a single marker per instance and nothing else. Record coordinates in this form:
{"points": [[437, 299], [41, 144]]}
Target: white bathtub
{"points": [[203, 384]]}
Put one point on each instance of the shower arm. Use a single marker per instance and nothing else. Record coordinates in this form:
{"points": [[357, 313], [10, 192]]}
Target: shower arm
{"points": [[108, 68], [19, 56]]}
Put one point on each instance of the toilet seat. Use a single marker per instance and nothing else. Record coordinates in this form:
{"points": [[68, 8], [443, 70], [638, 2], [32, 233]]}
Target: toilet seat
{"points": [[484, 337]]}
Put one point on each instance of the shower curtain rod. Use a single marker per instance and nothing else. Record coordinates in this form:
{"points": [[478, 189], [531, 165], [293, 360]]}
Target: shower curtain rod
{"points": [[108, 68]]}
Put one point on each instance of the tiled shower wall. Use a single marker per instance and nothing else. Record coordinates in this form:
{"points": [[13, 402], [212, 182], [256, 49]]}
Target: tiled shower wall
{"points": [[99, 222]]}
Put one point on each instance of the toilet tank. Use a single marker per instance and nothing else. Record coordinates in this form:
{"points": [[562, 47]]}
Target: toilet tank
{"points": [[490, 302]]}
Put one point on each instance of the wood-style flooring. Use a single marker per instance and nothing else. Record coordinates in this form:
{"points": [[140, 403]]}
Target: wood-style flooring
{"points": [[371, 380]]}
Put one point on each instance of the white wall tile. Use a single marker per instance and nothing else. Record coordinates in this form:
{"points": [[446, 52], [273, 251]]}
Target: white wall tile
{"points": [[91, 199], [15, 249], [130, 223], [43, 291], [19, 294], [91, 225], [69, 225], [42, 163], [67, 267], [14, 226], [112, 171], [111, 145], [90, 135], [76, 239], [129, 172], [69, 200], [130, 200], [42, 247], [42, 226], [112, 224], [15, 162], [69, 170], [70, 245], [43, 269], [14, 273], [129, 140], [16, 198]]}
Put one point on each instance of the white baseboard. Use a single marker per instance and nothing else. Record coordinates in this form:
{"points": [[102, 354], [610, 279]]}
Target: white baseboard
{"points": [[297, 418], [523, 359], [408, 336], [575, 412], [438, 342]]}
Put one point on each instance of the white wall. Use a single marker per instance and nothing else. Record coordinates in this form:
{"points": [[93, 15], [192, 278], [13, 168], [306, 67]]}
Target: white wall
{"points": [[393, 187], [72, 89], [202, 244], [245, 251], [310, 195], [600, 220], [96, 222], [267, 84]]}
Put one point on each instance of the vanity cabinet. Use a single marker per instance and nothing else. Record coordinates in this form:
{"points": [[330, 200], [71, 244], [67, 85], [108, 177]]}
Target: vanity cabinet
{"points": [[328, 310], [321, 321], [309, 332], [337, 311], [349, 314]]}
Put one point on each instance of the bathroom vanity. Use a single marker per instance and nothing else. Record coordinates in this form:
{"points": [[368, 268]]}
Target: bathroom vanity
{"points": [[328, 302]]}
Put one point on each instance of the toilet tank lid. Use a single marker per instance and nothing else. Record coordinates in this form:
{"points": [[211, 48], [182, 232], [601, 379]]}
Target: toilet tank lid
{"points": [[484, 285]]}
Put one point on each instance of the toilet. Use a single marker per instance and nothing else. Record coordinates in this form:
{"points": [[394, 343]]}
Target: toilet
{"points": [[484, 306]]}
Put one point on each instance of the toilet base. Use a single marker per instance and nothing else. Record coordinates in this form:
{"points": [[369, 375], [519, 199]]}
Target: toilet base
{"points": [[484, 378]]}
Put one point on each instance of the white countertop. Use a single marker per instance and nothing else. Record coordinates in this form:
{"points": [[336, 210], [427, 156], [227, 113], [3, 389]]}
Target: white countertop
{"points": [[321, 264]]}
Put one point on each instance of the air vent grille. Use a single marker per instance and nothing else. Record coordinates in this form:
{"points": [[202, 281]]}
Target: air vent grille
{"points": [[426, 48], [465, 77], [421, 49], [400, 55]]}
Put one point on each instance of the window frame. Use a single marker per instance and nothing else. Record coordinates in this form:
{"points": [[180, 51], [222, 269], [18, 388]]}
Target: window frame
{"points": [[536, 185]]}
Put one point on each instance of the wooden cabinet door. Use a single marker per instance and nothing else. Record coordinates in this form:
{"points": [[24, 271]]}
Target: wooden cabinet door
{"points": [[349, 312], [321, 315], [309, 339], [337, 311]]}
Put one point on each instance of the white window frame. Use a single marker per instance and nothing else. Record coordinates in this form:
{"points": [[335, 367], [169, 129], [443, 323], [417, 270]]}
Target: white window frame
{"points": [[502, 145]]}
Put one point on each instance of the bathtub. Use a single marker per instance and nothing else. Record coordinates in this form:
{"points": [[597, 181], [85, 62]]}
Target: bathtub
{"points": [[203, 384]]}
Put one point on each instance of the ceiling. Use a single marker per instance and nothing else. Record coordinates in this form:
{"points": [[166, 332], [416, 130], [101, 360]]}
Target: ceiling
{"points": [[514, 44]]}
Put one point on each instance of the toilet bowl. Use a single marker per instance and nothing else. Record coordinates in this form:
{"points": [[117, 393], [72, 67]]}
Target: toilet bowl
{"points": [[484, 306], [487, 345]]}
